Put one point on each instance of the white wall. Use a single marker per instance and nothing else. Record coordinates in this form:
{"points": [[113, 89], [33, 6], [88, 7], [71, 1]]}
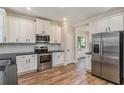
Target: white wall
{"points": [[16, 48]]}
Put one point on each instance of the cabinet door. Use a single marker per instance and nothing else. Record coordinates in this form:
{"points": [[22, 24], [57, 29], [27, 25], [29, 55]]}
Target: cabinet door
{"points": [[58, 58], [23, 31], [54, 59], [14, 29], [88, 62], [31, 31], [21, 62], [1, 25], [93, 28], [39, 26], [33, 62], [46, 27], [61, 58], [102, 26], [115, 23]]}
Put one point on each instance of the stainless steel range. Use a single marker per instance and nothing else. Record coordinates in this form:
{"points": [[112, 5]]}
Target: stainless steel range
{"points": [[44, 58]]}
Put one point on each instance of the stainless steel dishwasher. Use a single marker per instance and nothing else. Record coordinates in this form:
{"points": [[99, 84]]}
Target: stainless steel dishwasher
{"points": [[8, 72]]}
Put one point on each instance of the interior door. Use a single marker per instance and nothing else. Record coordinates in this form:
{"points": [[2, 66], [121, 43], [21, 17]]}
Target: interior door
{"points": [[69, 46], [110, 68], [96, 57]]}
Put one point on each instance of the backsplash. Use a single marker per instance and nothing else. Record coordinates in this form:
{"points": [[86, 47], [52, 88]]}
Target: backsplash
{"points": [[16, 48]]}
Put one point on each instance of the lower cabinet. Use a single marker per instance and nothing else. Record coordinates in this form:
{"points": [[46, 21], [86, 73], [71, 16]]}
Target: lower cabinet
{"points": [[57, 59], [26, 63], [88, 63]]}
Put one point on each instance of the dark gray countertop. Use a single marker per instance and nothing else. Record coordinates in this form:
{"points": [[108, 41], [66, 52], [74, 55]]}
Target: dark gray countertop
{"points": [[12, 56]]}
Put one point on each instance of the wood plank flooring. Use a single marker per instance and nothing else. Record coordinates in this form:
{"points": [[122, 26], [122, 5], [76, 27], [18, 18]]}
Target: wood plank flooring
{"points": [[72, 74]]}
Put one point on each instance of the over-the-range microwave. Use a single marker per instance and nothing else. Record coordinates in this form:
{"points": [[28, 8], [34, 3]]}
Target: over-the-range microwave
{"points": [[42, 38]]}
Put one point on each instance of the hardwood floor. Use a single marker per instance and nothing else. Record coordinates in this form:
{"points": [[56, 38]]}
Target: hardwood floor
{"points": [[72, 74]]}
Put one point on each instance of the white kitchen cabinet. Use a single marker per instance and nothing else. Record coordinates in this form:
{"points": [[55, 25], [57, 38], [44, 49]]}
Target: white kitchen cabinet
{"points": [[93, 27], [27, 31], [102, 26], [3, 26], [32, 62], [116, 23], [14, 29], [39, 27], [43, 27], [108, 24], [26, 63], [32, 32], [21, 30], [88, 63], [55, 36], [57, 59], [21, 64], [47, 27]]}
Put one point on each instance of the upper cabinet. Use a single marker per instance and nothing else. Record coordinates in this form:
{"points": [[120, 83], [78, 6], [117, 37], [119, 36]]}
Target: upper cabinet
{"points": [[116, 23], [3, 28], [55, 33], [43, 27], [21, 30], [108, 24], [27, 31], [13, 29]]}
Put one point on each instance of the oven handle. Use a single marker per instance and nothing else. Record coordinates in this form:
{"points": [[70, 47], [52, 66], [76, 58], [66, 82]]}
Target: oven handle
{"points": [[45, 61]]}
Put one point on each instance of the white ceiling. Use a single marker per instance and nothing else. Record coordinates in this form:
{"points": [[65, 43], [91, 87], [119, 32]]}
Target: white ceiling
{"points": [[73, 14]]}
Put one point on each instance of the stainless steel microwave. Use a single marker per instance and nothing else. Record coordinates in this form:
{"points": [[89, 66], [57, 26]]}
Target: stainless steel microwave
{"points": [[42, 38]]}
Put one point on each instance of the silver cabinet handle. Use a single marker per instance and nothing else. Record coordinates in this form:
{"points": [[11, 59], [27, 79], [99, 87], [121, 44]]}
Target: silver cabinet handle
{"points": [[16, 39], [27, 40], [106, 29], [4, 39], [26, 61], [101, 48], [109, 28], [29, 60]]}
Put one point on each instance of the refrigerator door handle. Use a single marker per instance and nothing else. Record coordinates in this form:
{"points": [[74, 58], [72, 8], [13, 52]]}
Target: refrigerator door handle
{"points": [[101, 48]]}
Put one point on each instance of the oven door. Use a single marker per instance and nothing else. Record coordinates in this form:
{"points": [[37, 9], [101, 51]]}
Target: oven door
{"points": [[44, 61], [40, 38]]}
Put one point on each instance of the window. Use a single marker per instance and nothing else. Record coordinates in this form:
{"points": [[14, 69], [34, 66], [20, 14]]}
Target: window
{"points": [[81, 42]]}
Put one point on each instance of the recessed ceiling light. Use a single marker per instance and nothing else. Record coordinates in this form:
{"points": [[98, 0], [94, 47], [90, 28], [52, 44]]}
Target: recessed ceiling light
{"points": [[65, 19], [28, 8]]}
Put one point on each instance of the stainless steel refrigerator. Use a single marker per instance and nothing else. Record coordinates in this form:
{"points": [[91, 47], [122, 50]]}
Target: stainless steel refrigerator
{"points": [[107, 56]]}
